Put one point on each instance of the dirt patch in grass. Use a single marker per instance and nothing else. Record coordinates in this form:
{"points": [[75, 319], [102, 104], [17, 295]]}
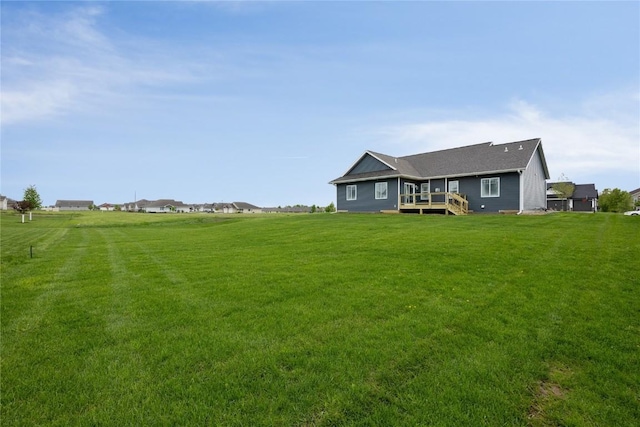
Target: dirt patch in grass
{"points": [[547, 393]]}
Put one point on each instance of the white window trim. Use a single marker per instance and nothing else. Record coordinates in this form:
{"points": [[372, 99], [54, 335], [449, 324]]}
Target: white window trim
{"points": [[355, 192], [425, 187], [379, 193], [482, 193], [457, 186]]}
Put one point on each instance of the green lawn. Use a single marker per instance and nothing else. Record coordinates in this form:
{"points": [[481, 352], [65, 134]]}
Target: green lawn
{"points": [[319, 320]]}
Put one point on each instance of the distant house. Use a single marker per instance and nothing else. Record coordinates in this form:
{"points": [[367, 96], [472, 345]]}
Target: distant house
{"points": [[137, 206], [206, 207], [6, 203], [584, 198], [635, 195], [244, 207], [236, 207], [290, 209], [164, 206], [106, 207], [176, 206], [484, 177], [74, 205]]}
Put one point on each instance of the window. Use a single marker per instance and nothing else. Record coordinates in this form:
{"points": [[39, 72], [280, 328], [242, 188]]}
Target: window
{"points": [[454, 187], [352, 192], [425, 189], [490, 187], [381, 190]]}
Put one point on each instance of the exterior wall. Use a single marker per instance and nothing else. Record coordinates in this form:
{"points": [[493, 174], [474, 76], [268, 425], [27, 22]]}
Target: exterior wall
{"points": [[436, 185], [440, 185], [470, 186], [366, 201], [534, 185], [73, 208], [558, 204], [509, 192], [368, 164], [158, 209], [583, 205]]}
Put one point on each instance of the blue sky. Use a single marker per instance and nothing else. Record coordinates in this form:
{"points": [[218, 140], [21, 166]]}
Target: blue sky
{"points": [[266, 102]]}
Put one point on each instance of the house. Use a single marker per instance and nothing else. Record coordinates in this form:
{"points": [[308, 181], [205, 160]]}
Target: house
{"points": [[635, 195], [164, 206], [137, 206], [236, 207], [244, 207], [73, 205], [484, 177], [106, 207], [290, 209], [206, 207], [583, 198], [6, 203]]}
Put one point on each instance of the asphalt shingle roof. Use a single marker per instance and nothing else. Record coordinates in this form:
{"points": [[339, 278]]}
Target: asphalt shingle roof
{"points": [[73, 203], [469, 160]]}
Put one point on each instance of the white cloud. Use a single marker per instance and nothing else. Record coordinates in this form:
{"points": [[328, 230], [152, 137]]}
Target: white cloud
{"points": [[594, 139], [63, 63], [40, 100]]}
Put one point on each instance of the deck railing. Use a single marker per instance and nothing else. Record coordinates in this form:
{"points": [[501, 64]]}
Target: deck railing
{"points": [[450, 202]]}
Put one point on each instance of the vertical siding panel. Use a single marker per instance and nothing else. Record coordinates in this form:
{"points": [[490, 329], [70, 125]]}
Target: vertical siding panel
{"points": [[534, 184]]}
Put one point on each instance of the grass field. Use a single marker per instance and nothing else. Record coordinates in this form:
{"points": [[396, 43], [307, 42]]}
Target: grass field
{"points": [[319, 320]]}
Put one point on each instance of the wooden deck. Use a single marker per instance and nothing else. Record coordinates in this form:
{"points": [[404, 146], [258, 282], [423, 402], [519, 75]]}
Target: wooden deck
{"points": [[446, 202]]}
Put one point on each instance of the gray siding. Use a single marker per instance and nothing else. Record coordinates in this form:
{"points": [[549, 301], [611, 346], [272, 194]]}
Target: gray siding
{"points": [[509, 193], [470, 186], [583, 205], [74, 208], [558, 204], [534, 184], [368, 164], [366, 200]]}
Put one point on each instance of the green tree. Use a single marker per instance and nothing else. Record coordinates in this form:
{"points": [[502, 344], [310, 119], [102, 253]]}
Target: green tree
{"points": [[31, 195], [330, 208], [615, 200], [313, 208], [563, 189]]}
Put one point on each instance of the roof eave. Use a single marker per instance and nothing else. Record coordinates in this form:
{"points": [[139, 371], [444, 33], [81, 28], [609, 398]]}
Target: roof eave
{"points": [[539, 149], [344, 179]]}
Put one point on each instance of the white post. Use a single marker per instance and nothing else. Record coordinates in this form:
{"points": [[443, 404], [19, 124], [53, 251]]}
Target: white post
{"points": [[23, 218], [30, 216]]}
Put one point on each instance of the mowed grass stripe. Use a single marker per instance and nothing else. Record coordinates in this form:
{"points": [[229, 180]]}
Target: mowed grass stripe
{"points": [[328, 320]]}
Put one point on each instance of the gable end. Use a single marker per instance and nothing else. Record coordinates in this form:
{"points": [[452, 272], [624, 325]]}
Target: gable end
{"points": [[368, 163]]}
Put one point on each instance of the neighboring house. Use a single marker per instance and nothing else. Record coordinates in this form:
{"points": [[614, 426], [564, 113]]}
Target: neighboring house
{"points": [[236, 207], [290, 209], [224, 208], [484, 177], [171, 205], [165, 206], [243, 207], [206, 207], [106, 207], [73, 205], [137, 206], [583, 199], [635, 195], [6, 203]]}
